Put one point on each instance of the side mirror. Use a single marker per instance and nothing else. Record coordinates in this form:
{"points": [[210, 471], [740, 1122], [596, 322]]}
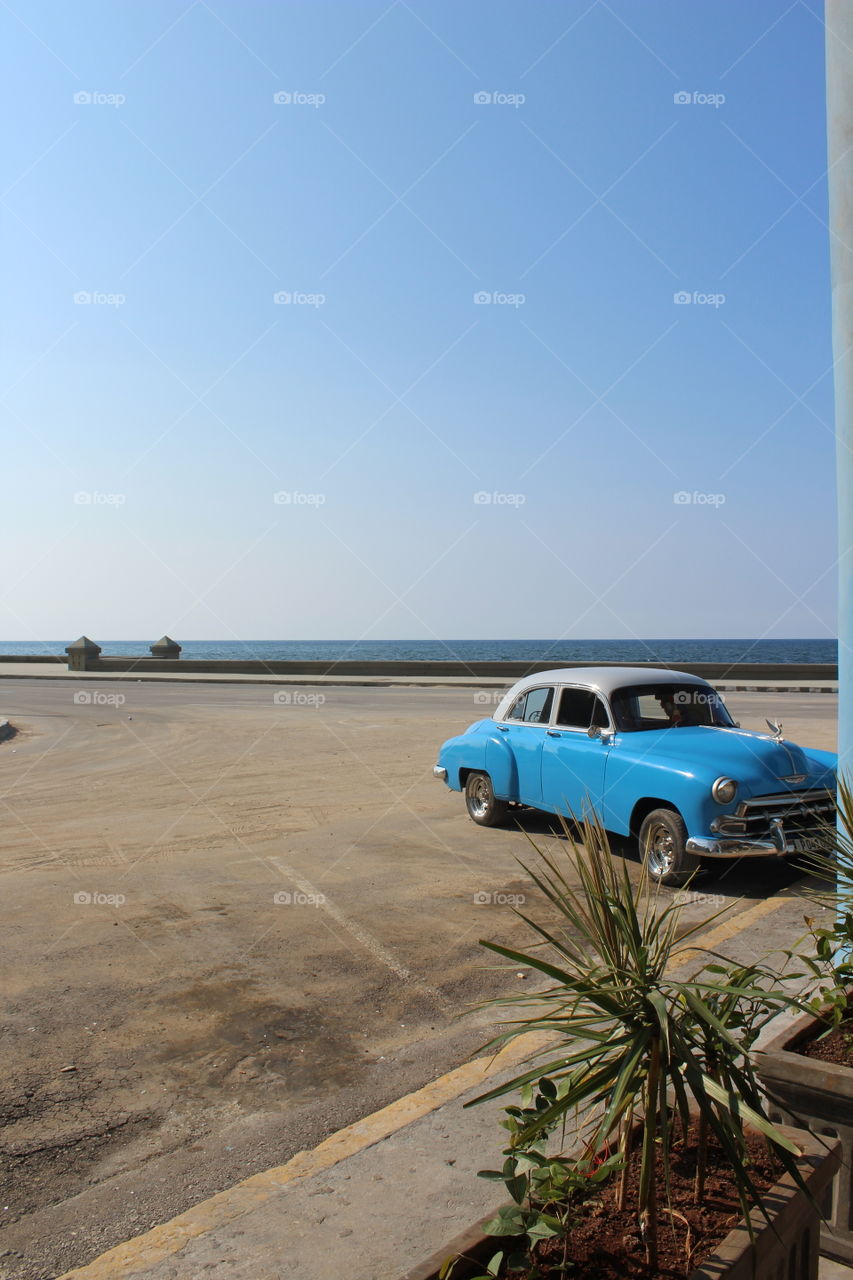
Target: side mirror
{"points": [[593, 731]]}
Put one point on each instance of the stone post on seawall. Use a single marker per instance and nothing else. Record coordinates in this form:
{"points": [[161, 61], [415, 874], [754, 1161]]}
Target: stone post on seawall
{"points": [[839, 103], [165, 647], [82, 654]]}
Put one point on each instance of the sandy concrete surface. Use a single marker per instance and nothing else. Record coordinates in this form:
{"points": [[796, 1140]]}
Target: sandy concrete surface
{"points": [[171, 1027]]}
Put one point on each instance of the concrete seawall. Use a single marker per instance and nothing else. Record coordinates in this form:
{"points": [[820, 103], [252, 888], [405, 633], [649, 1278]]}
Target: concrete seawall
{"points": [[741, 672]]}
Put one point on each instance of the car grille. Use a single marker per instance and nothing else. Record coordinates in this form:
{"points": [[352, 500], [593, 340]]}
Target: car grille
{"points": [[799, 812]]}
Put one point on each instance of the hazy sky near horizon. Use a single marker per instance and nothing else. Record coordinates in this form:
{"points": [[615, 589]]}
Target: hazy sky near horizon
{"points": [[368, 320]]}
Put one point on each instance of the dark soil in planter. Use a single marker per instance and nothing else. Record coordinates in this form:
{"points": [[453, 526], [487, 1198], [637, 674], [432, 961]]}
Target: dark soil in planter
{"points": [[836, 1047], [605, 1243]]}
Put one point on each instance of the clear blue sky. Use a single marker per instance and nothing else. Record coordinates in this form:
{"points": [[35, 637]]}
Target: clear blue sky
{"points": [[382, 198]]}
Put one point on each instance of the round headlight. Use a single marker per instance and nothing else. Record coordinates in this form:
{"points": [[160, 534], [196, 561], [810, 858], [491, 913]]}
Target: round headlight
{"points": [[724, 790]]}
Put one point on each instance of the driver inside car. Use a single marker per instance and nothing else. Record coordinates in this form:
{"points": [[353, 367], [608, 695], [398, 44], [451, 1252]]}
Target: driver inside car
{"points": [[674, 714]]}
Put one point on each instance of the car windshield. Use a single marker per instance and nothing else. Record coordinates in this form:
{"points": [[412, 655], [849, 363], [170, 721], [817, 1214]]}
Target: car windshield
{"points": [[640, 707]]}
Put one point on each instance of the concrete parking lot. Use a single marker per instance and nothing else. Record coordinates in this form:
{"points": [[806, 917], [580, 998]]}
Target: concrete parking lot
{"points": [[237, 918]]}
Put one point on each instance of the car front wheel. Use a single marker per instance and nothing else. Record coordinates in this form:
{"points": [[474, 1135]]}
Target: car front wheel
{"points": [[663, 840], [482, 803]]}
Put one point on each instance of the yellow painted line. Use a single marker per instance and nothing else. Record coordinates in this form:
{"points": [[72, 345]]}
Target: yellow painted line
{"points": [[728, 929], [142, 1252]]}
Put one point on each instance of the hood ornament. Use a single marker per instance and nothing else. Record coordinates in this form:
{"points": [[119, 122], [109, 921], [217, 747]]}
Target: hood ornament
{"points": [[775, 728]]}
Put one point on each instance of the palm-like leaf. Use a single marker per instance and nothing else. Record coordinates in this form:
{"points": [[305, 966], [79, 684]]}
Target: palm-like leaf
{"points": [[627, 1035]]}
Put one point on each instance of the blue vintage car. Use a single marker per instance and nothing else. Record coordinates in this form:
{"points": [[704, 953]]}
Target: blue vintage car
{"points": [[651, 753]]}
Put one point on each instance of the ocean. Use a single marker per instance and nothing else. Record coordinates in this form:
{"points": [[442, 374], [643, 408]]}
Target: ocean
{"points": [[561, 652]]}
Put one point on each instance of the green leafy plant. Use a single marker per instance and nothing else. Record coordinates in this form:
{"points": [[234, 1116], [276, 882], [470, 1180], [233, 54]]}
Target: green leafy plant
{"points": [[830, 959], [634, 1047], [545, 1188]]}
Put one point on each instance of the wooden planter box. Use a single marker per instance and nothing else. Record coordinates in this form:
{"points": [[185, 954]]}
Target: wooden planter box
{"points": [[787, 1248], [818, 1096]]}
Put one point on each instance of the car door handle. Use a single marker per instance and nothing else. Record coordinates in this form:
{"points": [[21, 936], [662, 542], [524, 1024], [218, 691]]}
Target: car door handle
{"points": [[504, 728], [552, 733]]}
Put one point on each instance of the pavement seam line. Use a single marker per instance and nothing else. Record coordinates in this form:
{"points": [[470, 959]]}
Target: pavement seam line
{"points": [[141, 1252], [367, 940]]}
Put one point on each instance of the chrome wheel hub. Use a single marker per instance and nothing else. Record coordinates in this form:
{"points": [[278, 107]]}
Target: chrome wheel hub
{"points": [[660, 850], [479, 798]]}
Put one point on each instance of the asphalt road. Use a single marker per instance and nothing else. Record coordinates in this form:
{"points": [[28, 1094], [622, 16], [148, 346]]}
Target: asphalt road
{"points": [[236, 918]]}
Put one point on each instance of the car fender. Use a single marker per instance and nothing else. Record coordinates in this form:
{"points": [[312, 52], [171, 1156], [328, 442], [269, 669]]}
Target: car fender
{"points": [[821, 759], [483, 748], [630, 781], [501, 767]]}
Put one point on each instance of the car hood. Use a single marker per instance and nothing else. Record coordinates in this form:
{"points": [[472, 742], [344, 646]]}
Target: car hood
{"points": [[753, 759]]}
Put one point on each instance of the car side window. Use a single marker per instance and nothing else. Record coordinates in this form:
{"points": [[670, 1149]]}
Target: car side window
{"points": [[516, 711], [580, 709], [537, 709]]}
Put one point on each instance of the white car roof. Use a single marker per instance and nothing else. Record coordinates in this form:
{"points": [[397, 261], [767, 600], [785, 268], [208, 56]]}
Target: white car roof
{"points": [[603, 679]]}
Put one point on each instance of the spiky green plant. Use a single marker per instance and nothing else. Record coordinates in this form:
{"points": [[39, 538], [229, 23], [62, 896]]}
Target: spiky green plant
{"points": [[632, 1041], [831, 864]]}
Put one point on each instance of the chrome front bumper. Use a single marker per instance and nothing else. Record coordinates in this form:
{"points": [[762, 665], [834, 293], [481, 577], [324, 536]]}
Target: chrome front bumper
{"points": [[439, 772], [776, 845]]}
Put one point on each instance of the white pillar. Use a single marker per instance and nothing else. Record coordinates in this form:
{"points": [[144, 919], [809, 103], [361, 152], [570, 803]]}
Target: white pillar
{"points": [[839, 110]]}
